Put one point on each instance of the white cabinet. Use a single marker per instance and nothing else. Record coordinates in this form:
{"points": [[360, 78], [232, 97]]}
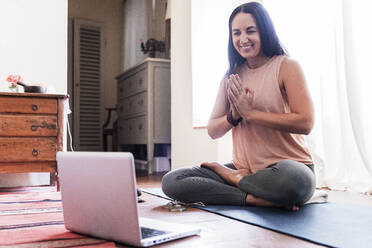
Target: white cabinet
{"points": [[144, 106]]}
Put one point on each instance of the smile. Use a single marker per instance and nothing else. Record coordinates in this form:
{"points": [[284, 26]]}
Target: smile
{"points": [[246, 46]]}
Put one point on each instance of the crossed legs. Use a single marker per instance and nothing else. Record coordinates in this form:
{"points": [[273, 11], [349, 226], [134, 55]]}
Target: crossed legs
{"points": [[286, 184]]}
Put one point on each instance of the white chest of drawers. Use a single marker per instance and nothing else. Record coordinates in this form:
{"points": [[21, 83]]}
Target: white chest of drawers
{"points": [[144, 105]]}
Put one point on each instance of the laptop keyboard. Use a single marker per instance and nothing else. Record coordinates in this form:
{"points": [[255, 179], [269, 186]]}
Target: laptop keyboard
{"points": [[149, 232]]}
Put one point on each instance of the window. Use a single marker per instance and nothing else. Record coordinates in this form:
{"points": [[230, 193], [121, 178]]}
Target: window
{"points": [[209, 37]]}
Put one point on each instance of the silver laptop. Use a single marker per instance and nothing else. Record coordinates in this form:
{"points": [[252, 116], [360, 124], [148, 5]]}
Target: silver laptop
{"points": [[99, 199]]}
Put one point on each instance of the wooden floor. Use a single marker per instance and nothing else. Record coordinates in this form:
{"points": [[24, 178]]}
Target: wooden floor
{"points": [[218, 231]]}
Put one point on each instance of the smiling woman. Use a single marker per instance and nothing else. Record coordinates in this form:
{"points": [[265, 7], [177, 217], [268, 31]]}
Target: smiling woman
{"points": [[264, 101], [246, 39]]}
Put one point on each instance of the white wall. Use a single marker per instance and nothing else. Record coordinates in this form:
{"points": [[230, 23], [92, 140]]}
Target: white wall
{"points": [[34, 41], [189, 146], [33, 44]]}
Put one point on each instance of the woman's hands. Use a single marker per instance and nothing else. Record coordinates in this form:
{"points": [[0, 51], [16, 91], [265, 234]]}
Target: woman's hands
{"points": [[218, 125], [232, 94], [240, 98]]}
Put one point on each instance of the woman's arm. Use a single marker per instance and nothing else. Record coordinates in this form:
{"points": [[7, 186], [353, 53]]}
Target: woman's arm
{"points": [[300, 119], [218, 124]]}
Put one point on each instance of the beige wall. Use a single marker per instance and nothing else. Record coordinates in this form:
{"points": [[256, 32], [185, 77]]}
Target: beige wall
{"points": [[110, 13], [189, 146]]}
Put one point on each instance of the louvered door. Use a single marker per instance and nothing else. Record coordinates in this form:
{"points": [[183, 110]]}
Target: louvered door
{"points": [[87, 85]]}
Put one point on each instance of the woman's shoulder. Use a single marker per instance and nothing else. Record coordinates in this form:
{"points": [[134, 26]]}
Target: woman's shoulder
{"points": [[288, 63], [274, 63], [289, 68]]}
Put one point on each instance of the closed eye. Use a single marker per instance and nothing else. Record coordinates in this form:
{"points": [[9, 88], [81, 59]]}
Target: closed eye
{"points": [[236, 32], [251, 29]]}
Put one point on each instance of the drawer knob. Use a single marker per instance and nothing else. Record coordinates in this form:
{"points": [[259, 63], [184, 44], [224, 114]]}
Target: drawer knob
{"points": [[35, 152], [34, 107], [140, 81], [121, 89], [140, 127]]}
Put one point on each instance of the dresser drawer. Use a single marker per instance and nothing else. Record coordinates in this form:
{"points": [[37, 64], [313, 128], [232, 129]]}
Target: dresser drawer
{"points": [[27, 149], [28, 105], [133, 105], [133, 84], [133, 129], [28, 125]]}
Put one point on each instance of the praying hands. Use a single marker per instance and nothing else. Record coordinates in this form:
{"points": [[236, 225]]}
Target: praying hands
{"points": [[240, 98]]}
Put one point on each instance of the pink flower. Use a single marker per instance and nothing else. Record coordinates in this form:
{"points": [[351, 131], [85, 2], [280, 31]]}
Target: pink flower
{"points": [[13, 79]]}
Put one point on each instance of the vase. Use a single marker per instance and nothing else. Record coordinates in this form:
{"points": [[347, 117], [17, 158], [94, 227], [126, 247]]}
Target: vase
{"points": [[13, 89]]}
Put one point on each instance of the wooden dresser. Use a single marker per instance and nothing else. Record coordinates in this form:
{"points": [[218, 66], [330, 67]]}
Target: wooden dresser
{"points": [[144, 106], [31, 132]]}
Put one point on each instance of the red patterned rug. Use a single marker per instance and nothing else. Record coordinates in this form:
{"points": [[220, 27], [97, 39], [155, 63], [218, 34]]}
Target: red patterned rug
{"points": [[33, 217]]}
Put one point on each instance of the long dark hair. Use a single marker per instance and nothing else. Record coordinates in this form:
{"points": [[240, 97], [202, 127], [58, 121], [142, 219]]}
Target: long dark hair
{"points": [[270, 44]]}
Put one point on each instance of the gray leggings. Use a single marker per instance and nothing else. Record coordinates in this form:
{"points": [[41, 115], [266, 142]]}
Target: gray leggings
{"points": [[286, 183]]}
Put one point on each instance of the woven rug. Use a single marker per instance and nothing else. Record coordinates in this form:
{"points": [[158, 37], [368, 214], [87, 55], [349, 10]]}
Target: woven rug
{"points": [[32, 217]]}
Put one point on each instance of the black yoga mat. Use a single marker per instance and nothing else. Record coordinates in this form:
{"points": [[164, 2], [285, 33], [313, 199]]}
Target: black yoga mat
{"points": [[330, 224]]}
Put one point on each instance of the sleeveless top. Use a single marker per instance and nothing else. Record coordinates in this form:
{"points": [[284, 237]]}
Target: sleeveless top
{"points": [[255, 146]]}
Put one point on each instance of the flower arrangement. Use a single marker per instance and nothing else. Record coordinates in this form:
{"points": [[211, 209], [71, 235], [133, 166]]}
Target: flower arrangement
{"points": [[13, 80]]}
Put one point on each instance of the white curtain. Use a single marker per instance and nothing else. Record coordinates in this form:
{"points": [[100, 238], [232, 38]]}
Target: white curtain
{"points": [[358, 52], [332, 41]]}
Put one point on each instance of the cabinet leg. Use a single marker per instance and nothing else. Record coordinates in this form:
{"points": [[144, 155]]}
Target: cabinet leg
{"points": [[58, 184], [54, 180], [150, 157]]}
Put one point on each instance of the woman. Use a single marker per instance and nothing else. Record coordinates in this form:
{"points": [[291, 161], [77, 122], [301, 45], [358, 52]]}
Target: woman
{"points": [[264, 100]]}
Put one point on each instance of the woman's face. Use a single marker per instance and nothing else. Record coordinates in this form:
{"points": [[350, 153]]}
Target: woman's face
{"points": [[246, 36]]}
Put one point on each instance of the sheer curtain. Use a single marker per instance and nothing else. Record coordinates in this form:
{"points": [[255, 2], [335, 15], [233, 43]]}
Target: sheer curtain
{"points": [[332, 42], [358, 52]]}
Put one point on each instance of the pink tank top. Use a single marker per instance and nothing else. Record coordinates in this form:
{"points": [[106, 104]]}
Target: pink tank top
{"points": [[254, 146]]}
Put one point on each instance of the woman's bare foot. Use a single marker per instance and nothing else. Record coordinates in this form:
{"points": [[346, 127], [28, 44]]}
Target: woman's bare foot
{"points": [[229, 175], [294, 208], [252, 200]]}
